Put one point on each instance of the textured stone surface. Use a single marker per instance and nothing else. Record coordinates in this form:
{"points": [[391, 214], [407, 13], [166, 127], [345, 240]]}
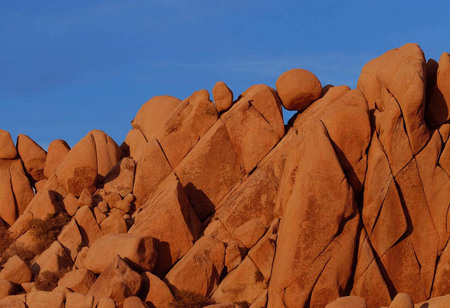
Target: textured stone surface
{"points": [[347, 205], [137, 250], [298, 88]]}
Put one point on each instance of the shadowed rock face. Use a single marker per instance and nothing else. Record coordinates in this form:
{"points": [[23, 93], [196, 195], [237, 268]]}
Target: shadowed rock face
{"points": [[346, 206]]}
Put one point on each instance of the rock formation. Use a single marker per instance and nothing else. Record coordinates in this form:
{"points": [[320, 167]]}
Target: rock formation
{"points": [[221, 204]]}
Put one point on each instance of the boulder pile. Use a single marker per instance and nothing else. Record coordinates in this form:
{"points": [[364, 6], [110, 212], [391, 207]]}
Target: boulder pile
{"points": [[220, 204]]}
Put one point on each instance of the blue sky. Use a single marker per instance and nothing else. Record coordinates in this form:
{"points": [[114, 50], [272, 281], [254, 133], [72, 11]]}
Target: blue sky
{"points": [[67, 67]]}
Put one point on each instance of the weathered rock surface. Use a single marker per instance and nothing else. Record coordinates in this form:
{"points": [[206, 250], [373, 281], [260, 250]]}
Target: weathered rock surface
{"points": [[40, 299], [255, 124], [90, 159], [57, 151], [200, 269], [15, 190], [118, 281], [391, 71], [345, 206], [190, 121], [169, 207], [223, 96], [155, 292], [78, 280], [298, 88], [120, 178], [139, 251], [437, 110], [205, 193], [77, 300], [16, 271], [32, 156], [7, 148]]}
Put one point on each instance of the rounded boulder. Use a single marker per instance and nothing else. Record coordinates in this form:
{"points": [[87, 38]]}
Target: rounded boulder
{"points": [[298, 88]]}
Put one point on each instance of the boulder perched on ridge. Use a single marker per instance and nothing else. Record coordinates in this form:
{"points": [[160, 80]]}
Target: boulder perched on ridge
{"points": [[298, 88]]}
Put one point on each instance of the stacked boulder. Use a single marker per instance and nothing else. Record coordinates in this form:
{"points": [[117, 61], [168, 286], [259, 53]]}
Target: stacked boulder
{"points": [[220, 203]]}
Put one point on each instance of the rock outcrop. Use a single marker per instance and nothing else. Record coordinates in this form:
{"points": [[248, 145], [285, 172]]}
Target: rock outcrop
{"points": [[221, 204]]}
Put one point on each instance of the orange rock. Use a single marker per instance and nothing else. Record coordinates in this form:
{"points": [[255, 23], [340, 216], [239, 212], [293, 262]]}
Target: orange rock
{"points": [[438, 302], [233, 255], [89, 229], [245, 283], [378, 179], [169, 218], [436, 184], [23, 193], [78, 280], [7, 202], [70, 238], [250, 232], [54, 259], [442, 276], [70, 204], [223, 96], [139, 251], [57, 151], [438, 105], [85, 199], [444, 160], [154, 114], [120, 178], [16, 271], [77, 300], [118, 281], [81, 257], [45, 203], [6, 288], [134, 302], [444, 131], [155, 291], [193, 117], [368, 281], [152, 168], [28, 242], [99, 216], [38, 186], [404, 272], [106, 302], [210, 170], [252, 199], [108, 152], [255, 124], [391, 133], [260, 302], [390, 71], [7, 147], [298, 88], [424, 237], [200, 269], [311, 252], [112, 198], [103, 206], [89, 160], [40, 299], [351, 138], [12, 302], [263, 252], [402, 300], [33, 157], [348, 302], [114, 224], [133, 142]]}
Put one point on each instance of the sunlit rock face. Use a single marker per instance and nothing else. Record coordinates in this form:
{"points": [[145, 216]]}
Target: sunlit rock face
{"points": [[215, 200]]}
